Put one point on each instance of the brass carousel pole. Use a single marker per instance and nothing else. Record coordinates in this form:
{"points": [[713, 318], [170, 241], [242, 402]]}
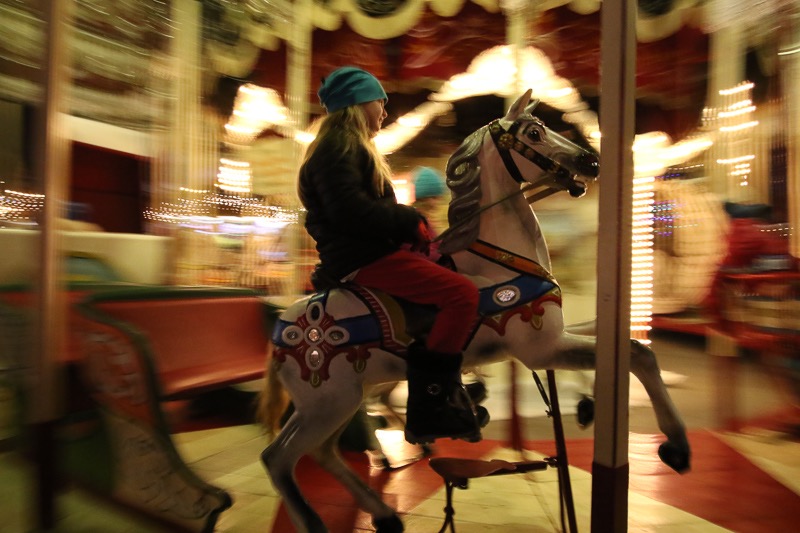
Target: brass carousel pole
{"points": [[51, 170], [297, 90], [516, 27], [186, 170], [791, 61], [617, 114], [726, 69]]}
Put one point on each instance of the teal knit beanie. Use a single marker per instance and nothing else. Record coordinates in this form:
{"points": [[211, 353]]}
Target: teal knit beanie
{"points": [[428, 183], [348, 86]]}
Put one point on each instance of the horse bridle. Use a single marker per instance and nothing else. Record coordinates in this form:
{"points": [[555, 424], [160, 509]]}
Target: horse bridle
{"points": [[505, 141]]}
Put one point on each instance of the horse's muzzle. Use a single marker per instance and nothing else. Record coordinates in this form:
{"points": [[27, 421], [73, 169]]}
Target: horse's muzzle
{"points": [[576, 189], [588, 165]]}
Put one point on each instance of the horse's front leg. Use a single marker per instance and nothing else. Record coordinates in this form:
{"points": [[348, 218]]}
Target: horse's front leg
{"points": [[577, 352], [675, 452]]}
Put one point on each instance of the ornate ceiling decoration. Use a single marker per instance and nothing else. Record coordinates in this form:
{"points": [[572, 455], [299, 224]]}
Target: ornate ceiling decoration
{"points": [[118, 52]]}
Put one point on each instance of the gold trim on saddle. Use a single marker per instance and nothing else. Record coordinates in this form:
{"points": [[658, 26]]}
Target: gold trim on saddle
{"points": [[511, 260]]}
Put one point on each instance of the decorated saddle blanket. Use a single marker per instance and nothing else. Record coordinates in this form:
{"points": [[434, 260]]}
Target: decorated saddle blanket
{"points": [[352, 320]]}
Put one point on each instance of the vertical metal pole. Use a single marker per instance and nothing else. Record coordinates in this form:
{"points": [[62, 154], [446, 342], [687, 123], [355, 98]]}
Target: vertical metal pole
{"points": [[617, 113], [516, 36], [186, 169], [791, 68], [516, 27], [52, 167], [298, 87], [726, 69], [564, 482], [515, 439]]}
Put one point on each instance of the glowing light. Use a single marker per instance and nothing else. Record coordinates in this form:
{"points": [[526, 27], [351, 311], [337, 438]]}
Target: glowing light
{"points": [[255, 109], [739, 127], [736, 159], [304, 137], [651, 146], [234, 176], [738, 89], [411, 121], [405, 128], [21, 207], [735, 112]]}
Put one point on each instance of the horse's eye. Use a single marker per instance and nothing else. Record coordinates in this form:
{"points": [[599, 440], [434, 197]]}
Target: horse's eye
{"points": [[534, 134]]}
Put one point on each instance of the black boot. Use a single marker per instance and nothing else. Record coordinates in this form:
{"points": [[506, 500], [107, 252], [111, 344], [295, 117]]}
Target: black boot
{"points": [[438, 405]]}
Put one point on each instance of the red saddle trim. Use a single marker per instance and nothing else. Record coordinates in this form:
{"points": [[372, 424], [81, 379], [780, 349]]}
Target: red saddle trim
{"points": [[526, 311], [388, 334]]}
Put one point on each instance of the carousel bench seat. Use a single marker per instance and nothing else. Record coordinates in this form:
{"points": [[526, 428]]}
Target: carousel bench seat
{"points": [[194, 339], [147, 349], [757, 311]]}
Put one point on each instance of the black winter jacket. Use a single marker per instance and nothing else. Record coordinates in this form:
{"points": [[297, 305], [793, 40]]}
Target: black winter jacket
{"points": [[350, 223]]}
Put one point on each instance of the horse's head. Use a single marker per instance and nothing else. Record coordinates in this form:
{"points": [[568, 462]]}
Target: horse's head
{"points": [[530, 153], [522, 139]]}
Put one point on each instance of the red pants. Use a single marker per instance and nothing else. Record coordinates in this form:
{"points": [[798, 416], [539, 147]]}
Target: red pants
{"points": [[414, 277]]}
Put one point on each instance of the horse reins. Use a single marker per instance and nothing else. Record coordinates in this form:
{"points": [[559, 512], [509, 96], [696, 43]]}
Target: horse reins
{"points": [[505, 141]]}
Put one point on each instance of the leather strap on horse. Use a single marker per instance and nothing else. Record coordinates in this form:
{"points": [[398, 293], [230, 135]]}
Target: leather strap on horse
{"points": [[504, 140], [507, 141], [510, 260]]}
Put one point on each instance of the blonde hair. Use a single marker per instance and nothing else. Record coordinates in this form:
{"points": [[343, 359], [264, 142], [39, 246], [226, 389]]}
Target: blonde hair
{"points": [[350, 124]]}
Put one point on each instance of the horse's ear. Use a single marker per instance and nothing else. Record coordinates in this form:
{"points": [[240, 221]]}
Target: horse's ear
{"points": [[532, 106], [518, 107]]}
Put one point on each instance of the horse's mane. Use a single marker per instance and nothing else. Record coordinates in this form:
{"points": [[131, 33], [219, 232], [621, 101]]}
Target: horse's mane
{"points": [[463, 178]]}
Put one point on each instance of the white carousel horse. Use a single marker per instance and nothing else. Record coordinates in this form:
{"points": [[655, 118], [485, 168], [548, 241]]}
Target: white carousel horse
{"points": [[330, 348]]}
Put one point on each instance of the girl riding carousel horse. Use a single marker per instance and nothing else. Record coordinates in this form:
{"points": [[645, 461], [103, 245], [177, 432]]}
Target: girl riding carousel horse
{"points": [[360, 230], [332, 348]]}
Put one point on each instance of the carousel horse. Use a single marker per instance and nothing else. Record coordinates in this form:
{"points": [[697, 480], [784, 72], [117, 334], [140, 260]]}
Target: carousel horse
{"points": [[332, 347]]}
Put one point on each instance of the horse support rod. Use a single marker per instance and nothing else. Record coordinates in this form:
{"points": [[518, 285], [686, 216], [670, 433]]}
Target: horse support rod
{"points": [[541, 194]]}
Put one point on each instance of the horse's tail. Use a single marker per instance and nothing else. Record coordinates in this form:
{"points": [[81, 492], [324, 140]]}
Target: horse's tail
{"points": [[273, 398]]}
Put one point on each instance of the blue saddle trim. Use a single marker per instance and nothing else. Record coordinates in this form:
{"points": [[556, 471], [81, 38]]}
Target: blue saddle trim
{"points": [[527, 288], [493, 300]]}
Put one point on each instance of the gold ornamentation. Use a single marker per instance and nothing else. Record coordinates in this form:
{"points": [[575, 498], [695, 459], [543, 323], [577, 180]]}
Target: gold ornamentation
{"points": [[505, 141], [504, 257]]}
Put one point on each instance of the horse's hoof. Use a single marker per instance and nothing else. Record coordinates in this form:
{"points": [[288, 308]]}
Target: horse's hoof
{"points": [[421, 441], [585, 412], [472, 439], [388, 524], [477, 392], [674, 457]]}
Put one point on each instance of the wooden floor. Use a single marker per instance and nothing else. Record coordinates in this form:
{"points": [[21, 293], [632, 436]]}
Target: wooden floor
{"points": [[746, 481]]}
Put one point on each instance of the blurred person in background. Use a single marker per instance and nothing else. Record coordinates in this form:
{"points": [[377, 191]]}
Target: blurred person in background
{"points": [[431, 197]]}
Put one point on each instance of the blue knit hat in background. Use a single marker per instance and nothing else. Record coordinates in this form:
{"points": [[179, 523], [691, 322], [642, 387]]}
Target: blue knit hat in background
{"points": [[428, 183], [348, 86]]}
